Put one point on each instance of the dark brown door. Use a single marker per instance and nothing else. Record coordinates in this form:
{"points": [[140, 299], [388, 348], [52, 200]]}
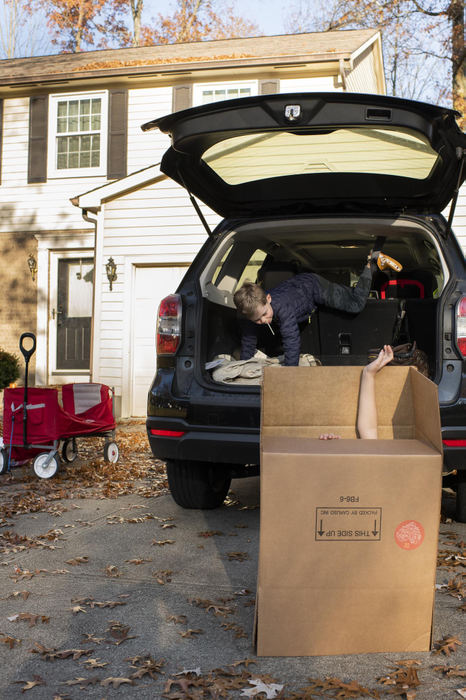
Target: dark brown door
{"points": [[74, 313]]}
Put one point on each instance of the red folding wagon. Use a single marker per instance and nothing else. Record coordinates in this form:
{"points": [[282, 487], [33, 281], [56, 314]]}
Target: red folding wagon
{"points": [[36, 426]]}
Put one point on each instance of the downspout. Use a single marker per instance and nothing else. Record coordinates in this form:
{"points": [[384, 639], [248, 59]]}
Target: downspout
{"points": [[343, 72], [92, 220]]}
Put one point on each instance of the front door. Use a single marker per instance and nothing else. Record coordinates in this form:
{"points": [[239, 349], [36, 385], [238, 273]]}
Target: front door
{"points": [[73, 313]]}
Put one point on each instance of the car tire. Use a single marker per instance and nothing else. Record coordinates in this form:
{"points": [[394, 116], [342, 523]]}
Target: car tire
{"points": [[461, 496], [200, 485], [69, 451], [42, 471]]}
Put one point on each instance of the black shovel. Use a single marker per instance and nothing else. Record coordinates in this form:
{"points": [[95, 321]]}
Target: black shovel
{"points": [[27, 354]]}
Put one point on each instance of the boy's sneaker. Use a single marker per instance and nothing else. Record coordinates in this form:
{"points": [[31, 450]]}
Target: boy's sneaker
{"points": [[384, 262]]}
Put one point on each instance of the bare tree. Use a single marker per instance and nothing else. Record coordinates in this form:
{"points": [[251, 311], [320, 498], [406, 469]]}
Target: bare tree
{"points": [[21, 34], [423, 41]]}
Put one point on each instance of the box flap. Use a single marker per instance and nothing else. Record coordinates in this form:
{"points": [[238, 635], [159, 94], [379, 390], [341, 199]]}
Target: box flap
{"points": [[426, 409]]}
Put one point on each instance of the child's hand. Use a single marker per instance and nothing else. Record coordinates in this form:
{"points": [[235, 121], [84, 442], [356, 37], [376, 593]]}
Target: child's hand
{"points": [[329, 436], [383, 358]]}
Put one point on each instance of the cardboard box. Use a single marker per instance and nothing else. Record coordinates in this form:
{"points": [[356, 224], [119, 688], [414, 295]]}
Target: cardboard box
{"points": [[349, 528]]}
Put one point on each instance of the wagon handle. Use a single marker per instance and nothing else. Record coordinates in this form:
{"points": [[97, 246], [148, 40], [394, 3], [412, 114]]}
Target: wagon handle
{"points": [[27, 353]]}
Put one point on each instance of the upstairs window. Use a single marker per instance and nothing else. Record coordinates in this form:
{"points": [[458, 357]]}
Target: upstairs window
{"points": [[215, 92], [78, 134]]}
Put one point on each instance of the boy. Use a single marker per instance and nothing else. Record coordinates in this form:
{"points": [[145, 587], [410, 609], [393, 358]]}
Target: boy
{"points": [[293, 300]]}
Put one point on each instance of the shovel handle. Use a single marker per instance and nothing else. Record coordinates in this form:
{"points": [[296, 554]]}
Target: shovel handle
{"points": [[27, 353]]}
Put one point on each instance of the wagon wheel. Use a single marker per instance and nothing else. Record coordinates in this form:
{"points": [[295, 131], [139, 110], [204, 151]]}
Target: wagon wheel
{"points": [[69, 451], [43, 470], [3, 461], [111, 452]]}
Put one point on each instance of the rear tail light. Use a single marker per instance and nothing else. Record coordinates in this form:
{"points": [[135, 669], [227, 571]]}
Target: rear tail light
{"points": [[461, 326], [169, 325]]}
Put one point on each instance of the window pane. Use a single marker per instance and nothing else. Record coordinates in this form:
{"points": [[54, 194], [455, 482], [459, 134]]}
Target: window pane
{"points": [[62, 109], [78, 118], [85, 159]]}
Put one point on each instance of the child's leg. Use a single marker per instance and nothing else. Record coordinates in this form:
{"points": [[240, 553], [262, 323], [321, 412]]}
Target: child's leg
{"points": [[343, 298]]}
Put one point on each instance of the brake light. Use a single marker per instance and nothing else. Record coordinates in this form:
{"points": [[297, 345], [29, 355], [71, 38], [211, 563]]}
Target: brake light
{"points": [[166, 433], [461, 326], [454, 443], [169, 325]]}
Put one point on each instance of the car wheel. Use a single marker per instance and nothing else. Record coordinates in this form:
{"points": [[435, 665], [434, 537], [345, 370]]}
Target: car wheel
{"points": [[3, 461], [461, 496], [111, 452], [198, 484], [69, 451], [43, 470]]}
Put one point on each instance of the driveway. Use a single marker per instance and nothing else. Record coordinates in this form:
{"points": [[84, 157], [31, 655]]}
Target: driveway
{"points": [[111, 590]]}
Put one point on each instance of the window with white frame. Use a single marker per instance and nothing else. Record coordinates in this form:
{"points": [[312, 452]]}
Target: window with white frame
{"points": [[78, 134], [215, 92]]}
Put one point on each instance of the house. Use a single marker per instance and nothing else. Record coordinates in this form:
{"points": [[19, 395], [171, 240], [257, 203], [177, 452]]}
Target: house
{"points": [[92, 234]]}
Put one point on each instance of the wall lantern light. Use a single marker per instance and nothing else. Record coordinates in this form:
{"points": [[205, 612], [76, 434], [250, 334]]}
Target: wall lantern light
{"points": [[111, 272], [32, 264]]}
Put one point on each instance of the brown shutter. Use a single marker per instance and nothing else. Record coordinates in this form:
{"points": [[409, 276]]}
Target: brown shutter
{"points": [[182, 97], [1, 138], [269, 87], [38, 127], [117, 134]]}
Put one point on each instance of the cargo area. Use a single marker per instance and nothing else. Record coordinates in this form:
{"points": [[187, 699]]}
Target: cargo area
{"points": [[402, 307]]}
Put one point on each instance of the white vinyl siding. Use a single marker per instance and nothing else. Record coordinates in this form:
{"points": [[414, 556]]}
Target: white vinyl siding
{"points": [[153, 225], [147, 148], [310, 84], [459, 219]]}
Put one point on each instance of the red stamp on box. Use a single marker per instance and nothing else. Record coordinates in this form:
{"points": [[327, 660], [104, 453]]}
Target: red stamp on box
{"points": [[409, 534]]}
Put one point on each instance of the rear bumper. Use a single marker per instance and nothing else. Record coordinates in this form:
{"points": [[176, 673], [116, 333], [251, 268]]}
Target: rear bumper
{"points": [[454, 447], [222, 446]]}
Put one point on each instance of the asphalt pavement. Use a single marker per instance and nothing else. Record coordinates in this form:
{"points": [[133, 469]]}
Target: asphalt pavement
{"points": [[135, 597]]}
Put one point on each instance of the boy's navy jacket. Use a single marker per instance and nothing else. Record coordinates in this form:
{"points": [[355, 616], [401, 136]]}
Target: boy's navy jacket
{"points": [[292, 302]]}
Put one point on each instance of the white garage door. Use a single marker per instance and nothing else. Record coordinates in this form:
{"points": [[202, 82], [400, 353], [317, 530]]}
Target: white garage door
{"points": [[152, 284]]}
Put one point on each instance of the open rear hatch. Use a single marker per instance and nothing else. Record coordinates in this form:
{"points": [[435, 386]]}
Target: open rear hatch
{"points": [[314, 153]]}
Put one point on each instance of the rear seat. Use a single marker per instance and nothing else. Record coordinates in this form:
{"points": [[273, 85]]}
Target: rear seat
{"points": [[346, 338]]}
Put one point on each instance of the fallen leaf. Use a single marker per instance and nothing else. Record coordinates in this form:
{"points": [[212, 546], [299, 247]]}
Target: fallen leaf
{"points": [[38, 680], [9, 641], [163, 577], [161, 543], [77, 560], [94, 663], [177, 619], [271, 690], [189, 634], [237, 556], [90, 637], [451, 671], [119, 632], [446, 645], [31, 618], [112, 571], [77, 609], [116, 682], [82, 682], [137, 562], [209, 533]]}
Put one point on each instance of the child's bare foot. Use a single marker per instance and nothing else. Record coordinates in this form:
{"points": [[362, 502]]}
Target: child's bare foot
{"points": [[329, 436], [383, 358]]}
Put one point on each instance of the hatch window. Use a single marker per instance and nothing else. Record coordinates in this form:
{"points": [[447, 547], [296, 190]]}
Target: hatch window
{"points": [[384, 151]]}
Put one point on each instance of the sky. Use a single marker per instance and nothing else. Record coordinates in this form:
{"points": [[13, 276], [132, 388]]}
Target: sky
{"points": [[268, 14]]}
